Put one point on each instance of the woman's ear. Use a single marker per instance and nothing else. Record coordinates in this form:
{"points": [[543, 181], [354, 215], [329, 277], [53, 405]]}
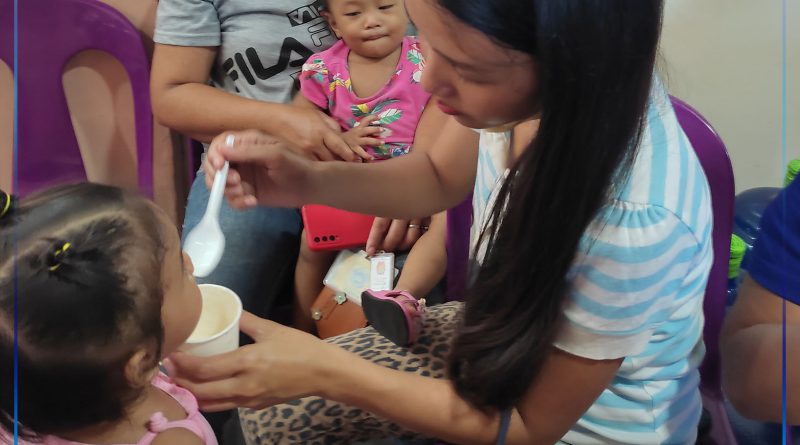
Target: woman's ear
{"points": [[139, 370]]}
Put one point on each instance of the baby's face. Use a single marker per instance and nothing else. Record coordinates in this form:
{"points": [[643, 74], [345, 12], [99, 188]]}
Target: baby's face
{"points": [[182, 302], [370, 28]]}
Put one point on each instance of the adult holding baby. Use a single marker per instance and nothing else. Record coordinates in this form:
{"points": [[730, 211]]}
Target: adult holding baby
{"points": [[583, 324]]}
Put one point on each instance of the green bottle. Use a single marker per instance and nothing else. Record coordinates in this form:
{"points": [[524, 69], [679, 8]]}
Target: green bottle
{"points": [[791, 171], [738, 248]]}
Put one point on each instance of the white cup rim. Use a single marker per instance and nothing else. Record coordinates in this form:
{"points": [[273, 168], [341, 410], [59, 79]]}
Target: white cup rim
{"points": [[229, 325]]}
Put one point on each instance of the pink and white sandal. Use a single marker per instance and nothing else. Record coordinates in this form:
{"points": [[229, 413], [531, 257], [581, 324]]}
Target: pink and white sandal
{"points": [[397, 315]]}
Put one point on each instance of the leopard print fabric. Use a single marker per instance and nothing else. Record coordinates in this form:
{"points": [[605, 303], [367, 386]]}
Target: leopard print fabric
{"points": [[314, 420]]}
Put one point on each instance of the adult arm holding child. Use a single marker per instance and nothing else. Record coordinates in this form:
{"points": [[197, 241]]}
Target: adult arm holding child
{"points": [[184, 101]]}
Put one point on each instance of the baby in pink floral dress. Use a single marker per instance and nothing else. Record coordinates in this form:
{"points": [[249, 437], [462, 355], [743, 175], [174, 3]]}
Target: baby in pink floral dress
{"points": [[397, 105], [369, 82]]}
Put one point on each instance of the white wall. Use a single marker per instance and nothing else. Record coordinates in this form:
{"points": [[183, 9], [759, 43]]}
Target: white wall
{"points": [[724, 58]]}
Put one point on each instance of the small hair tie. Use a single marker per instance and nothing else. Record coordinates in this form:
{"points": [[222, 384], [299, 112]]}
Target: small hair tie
{"points": [[58, 254], [5, 204]]}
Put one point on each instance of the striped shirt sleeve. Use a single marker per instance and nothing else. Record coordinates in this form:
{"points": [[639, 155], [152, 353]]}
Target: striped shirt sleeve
{"points": [[625, 281]]}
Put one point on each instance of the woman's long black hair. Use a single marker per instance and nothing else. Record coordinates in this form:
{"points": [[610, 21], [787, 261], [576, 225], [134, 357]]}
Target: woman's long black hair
{"points": [[595, 61]]}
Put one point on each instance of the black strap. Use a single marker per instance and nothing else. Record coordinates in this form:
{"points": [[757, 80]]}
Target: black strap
{"points": [[505, 421]]}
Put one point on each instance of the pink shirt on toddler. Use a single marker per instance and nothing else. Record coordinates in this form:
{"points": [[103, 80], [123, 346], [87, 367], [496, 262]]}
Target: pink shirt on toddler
{"points": [[194, 421], [325, 81]]}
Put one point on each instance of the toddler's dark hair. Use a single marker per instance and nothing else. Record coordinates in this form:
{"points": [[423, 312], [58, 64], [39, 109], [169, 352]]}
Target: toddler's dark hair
{"points": [[81, 266]]}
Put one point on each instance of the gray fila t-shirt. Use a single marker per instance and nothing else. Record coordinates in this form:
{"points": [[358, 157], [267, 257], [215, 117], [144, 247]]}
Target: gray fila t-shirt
{"points": [[262, 43]]}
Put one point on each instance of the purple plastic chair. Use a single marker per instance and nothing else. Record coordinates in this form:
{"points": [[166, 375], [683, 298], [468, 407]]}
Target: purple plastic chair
{"points": [[717, 165], [50, 33], [459, 220]]}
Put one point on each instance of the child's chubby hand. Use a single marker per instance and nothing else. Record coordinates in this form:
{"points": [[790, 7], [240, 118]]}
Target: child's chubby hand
{"points": [[364, 134]]}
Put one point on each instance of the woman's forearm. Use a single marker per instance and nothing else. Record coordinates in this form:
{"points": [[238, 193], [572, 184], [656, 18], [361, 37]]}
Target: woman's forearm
{"points": [[423, 404], [203, 111], [426, 181], [401, 188]]}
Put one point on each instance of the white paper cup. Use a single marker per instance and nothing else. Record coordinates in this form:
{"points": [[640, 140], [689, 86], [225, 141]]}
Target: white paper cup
{"points": [[217, 331]]}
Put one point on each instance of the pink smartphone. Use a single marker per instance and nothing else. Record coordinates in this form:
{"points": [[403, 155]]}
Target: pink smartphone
{"points": [[328, 228]]}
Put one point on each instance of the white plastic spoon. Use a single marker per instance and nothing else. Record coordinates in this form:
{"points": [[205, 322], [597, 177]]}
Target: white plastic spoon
{"points": [[206, 243]]}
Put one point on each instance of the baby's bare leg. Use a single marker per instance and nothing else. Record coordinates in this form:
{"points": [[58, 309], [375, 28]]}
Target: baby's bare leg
{"points": [[308, 275]]}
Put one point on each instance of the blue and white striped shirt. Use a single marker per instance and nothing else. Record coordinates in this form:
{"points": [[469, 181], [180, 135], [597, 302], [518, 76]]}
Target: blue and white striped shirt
{"points": [[637, 286]]}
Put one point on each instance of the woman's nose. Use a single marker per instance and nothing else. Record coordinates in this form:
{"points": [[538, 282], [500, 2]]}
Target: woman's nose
{"points": [[436, 78]]}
